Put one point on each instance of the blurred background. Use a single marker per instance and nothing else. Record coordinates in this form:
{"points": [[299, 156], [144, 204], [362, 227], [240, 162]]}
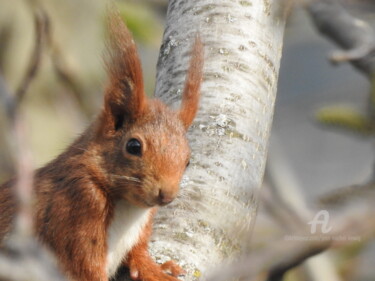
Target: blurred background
{"points": [[67, 90], [308, 159], [306, 156]]}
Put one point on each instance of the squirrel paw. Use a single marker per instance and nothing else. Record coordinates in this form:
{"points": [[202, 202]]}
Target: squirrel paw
{"points": [[172, 268], [151, 271]]}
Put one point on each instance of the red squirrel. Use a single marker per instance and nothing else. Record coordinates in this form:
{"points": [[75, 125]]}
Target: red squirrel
{"points": [[94, 203]]}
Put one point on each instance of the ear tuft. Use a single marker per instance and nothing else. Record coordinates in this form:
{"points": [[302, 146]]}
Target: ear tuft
{"points": [[191, 94], [124, 98]]}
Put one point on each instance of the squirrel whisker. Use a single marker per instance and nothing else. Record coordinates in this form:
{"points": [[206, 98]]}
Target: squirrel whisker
{"points": [[80, 148], [132, 179]]}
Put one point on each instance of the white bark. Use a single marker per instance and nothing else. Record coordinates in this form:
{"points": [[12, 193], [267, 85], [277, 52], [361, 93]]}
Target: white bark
{"points": [[212, 218]]}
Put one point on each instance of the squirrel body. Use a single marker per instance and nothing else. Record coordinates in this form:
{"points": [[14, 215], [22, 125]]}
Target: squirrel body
{"points": [[94, 203]]}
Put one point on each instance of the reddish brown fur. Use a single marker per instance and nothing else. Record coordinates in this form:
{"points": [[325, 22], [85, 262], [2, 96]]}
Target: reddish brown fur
{"points": [[76, 193], [190, 99], [8, 207]]}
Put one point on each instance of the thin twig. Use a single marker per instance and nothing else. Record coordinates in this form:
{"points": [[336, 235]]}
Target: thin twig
{"points": [[6, 100], [41, 23], [346, 194], [67, 76]]}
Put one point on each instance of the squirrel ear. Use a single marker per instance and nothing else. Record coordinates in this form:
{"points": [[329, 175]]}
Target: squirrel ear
{"points": [[124, 99], [191, 94]]}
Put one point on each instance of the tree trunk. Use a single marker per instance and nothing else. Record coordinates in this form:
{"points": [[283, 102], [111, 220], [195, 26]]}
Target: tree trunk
{"points": [[213, 217]]}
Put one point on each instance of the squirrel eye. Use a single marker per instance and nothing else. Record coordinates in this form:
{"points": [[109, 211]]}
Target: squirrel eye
{"points": [[134, 147], [187, 164]]}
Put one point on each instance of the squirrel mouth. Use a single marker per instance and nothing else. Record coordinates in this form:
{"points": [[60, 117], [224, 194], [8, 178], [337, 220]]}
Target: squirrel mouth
{"points": [[163, 204], [143, 202], [157, 202], [148, 204]]}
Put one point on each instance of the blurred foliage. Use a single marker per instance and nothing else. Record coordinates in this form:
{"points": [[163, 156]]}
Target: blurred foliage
{"points": [[142, 20], [349, 119]]}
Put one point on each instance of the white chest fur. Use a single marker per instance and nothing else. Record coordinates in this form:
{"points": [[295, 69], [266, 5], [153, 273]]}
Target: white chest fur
{"points": [[123, 233]]}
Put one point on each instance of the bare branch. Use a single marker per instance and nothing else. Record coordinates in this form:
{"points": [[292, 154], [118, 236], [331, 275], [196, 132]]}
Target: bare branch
{"points": [[21, 256], [25, 259], [345, 194], [354, 35], [67, 76], [41, 22], [279, 257]]}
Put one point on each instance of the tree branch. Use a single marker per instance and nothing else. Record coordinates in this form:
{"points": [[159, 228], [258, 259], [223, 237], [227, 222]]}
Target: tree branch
{"points": [[354, 35], [41, 22], [279, 257]]}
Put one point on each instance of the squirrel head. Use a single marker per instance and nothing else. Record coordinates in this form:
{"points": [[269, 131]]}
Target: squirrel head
{"points": [[142, 143]]}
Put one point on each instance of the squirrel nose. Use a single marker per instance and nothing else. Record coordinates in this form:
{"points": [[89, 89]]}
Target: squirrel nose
{"points": [[165, 198]]}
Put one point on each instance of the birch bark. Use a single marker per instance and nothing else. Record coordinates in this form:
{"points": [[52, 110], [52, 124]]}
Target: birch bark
{"points": [[213, 217]]}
